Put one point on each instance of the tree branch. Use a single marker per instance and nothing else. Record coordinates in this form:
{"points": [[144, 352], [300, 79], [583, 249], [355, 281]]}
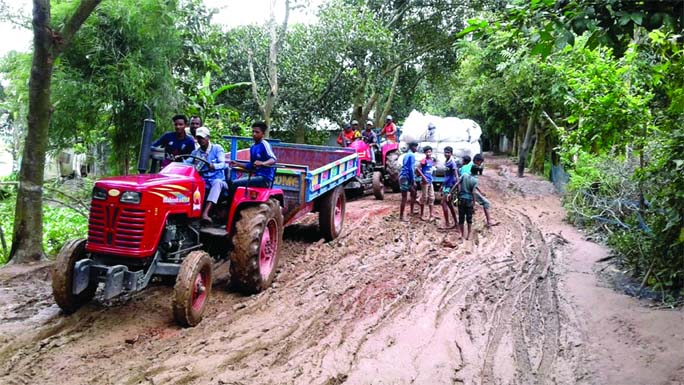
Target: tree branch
{"points": [[255, 92], [72, 25], [388, 102], [76, 209], [78, 201], [550, 120]]}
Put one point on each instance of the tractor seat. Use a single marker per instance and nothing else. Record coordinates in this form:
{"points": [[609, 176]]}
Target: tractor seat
{"points": [[225, 193]]}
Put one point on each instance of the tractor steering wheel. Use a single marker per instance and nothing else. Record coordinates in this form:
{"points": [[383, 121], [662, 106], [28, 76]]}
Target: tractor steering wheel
{"points": [[199, 166]]}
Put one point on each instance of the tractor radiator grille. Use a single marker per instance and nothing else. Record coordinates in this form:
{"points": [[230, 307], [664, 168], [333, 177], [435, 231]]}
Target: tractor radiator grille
{"points": [[116, 226]]}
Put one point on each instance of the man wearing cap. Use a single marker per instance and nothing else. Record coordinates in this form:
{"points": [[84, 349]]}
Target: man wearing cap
{"points": [[212, 171], [368, 134], [357, 130], [389, 130], [370, 138], [176, 142]]}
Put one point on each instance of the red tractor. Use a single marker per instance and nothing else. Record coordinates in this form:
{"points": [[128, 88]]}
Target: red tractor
{"points": [[379, 168], [148, 225]]}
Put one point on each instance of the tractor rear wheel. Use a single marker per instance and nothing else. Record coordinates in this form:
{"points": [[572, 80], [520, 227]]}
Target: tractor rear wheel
{"points": [[393, 168], [331, 214], [378, 186], [192, 289], [257, 240], [63, 277]]}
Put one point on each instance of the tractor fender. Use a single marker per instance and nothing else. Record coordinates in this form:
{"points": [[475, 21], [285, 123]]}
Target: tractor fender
{"points": [[247, 196]]}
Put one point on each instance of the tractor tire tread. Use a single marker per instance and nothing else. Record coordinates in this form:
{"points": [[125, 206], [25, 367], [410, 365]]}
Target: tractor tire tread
{"points": [[63, 274], [244, 261], [183, 311]]}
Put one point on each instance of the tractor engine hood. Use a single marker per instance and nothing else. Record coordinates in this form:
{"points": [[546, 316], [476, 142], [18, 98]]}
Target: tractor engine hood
{"points": [[127, 213], [171, 174]]}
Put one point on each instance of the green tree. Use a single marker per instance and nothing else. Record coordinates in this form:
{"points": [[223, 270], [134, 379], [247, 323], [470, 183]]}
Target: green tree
{"points": [[49, 41], [123, 58]]}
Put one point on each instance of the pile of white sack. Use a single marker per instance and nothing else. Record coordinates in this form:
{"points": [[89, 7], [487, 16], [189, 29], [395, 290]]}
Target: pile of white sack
{"points": [[462, 135]]}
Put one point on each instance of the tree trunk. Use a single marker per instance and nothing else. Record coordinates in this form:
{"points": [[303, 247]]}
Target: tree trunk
{"points": [[514, 145], [27, 244], [539, 152], [267, 105], [525, 147], [518, 137], [27, 239], [388, 103], [358, 96], [553, 155], [365, 111], [300, 134]]}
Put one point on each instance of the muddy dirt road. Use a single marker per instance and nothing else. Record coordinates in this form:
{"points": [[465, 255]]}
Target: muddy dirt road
{"points": [[385, 303]]}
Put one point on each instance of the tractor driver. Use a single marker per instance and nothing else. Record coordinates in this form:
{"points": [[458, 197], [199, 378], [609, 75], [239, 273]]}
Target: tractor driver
{"points": [[212, 171], [261, 157]]}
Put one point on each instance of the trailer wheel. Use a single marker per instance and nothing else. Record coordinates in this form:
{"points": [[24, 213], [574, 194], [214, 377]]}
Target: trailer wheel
{"points": [[331, 214], [192, 290], [393, 167], [378, 186], [257, 240], [63, 277]]}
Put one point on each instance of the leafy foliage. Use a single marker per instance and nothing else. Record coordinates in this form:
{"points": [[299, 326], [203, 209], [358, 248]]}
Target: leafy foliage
{"points": [[606, 105], [60, 223]]}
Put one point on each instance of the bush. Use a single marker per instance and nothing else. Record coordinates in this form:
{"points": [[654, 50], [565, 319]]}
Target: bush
{"points": [[60, 223], [663, 182], [603, 197]]}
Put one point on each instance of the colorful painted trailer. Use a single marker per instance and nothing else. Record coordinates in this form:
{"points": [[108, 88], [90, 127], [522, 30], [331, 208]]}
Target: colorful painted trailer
{"points": [[311, 178]]}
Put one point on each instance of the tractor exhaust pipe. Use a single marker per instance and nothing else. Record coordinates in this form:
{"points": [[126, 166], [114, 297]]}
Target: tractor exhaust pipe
{"points": [[147, 131]]}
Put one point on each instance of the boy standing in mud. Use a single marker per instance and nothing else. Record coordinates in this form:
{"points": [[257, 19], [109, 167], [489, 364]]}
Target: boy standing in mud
{"points": [[407, 182], [450, 175], [466, 198], [473, 168], [424, 170]]}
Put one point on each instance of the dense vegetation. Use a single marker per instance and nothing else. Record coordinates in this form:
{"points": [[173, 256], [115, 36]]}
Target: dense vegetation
{"points": [[594, 87]]}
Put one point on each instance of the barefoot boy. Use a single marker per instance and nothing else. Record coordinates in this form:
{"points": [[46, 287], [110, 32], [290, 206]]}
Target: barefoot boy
{"points": [[449, 182], [427, 194], [407, 182], [466, 197], [472, 169]]}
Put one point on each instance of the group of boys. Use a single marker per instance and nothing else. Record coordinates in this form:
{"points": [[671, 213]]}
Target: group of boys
{"points": [[352, 132], [194, 141], [459, 181]]}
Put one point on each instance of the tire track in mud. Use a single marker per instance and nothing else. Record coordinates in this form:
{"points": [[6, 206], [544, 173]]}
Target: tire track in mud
{"points": [[384, 303], [335, 316]]}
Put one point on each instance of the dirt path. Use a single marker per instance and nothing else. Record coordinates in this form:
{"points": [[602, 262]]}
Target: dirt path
{"points": [[383, 304]]}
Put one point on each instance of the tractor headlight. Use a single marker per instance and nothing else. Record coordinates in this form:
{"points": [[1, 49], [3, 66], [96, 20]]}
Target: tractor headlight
{"points": [[130, 197], [99, 193]]}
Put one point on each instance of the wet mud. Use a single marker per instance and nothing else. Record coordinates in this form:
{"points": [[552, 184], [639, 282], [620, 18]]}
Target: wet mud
{"points": [[385, 303]]}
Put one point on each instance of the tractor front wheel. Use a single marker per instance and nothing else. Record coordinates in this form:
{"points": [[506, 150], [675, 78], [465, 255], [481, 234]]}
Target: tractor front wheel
{"points": [[331, 214], [192, 289], [378, 186], [63, 277], [257, 240]]}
